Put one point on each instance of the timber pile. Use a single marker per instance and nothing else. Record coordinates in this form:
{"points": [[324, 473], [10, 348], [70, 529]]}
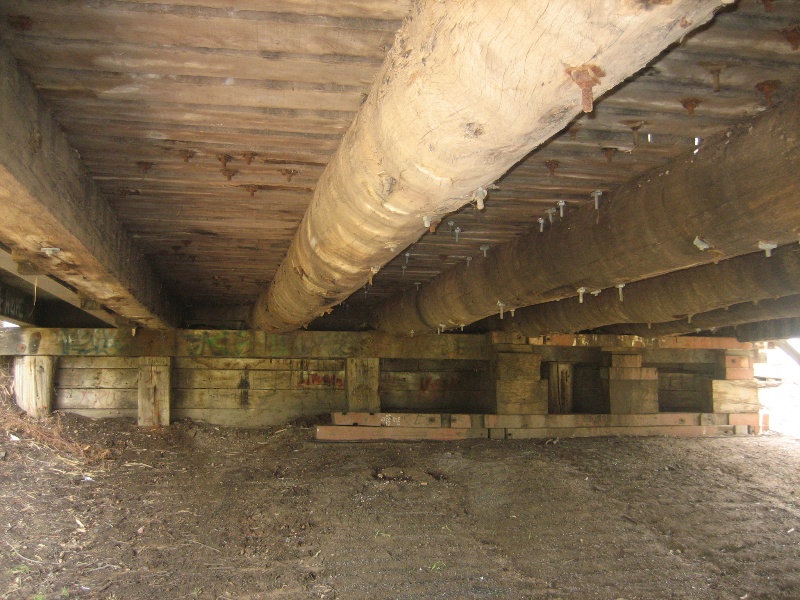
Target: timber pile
{"points": [[366, 427]]}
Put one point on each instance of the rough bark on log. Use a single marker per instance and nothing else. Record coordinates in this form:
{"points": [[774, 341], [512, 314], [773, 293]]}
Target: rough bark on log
{"points": [[740, 189], [466, 91]]}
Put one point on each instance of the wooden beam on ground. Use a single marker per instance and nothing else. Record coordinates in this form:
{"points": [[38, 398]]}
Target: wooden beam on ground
{"points": [[729, 316], [54, 215], [697, 209], [445, 119], [675, 296]]}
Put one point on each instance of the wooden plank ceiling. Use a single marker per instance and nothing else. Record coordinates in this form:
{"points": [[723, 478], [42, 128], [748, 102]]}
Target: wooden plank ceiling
{"points": [[206, 127]]}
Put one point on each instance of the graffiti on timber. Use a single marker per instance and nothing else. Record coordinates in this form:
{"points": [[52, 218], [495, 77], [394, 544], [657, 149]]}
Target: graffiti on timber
{"points": [[219, 343], [90, 342]]}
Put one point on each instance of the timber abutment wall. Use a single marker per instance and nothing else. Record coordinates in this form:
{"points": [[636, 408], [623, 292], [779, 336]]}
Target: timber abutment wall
{"points": [[573, 384]]}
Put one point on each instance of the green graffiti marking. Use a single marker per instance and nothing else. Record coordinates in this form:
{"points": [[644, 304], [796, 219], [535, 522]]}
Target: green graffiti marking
{"points": [[220, 343]]}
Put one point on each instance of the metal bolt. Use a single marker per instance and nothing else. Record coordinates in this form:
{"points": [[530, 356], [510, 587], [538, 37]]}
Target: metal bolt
{"points": [[479, 195], [551, 213], [619, 286], [426, 221], [403, 268], [417, 284], [581, 292], [596, 195], [502, 306], [485, 249], [408, 255], [561, 204], [469, 260], [701, 244], [767, 247], [457, 231], [541, 225], [450, 226]]}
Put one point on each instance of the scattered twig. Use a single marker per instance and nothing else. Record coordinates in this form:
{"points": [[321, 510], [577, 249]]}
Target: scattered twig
{"points": [[205, 546], [26, 559]]}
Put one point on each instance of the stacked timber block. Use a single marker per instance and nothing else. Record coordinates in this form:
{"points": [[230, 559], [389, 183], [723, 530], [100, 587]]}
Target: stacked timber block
{"points": [[736, 390], [735, 365], [632, 389], [519, 388]]}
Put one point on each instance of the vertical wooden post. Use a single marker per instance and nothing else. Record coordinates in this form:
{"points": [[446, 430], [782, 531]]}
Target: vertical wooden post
{"points": [[155, 380], [559, 400], [34, 384], [362, 377], [632, 389]]}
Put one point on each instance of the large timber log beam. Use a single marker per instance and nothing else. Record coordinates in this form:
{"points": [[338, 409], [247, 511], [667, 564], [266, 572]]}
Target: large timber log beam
{"points": [[740, 189], [775, 329], [668, 298], [54, 216], [730, 316], [466, 91]]}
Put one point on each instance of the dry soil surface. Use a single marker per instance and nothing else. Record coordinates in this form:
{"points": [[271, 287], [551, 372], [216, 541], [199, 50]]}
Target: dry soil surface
{"points": [[194, 511]]}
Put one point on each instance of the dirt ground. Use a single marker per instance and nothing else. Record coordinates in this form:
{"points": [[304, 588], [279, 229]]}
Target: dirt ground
{"points": [[194, 511]]}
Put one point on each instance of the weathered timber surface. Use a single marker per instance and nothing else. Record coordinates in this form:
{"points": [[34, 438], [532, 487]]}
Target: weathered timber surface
{"points": [[205, 344], [362, 379], [745, 176], [154, 391], [34, 378], [97, 399], [677, 296], [47, 199], [427, 136], [735, 396], [619, 342]]}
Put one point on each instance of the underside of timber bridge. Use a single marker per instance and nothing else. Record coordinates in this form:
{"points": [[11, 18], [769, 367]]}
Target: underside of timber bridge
{"points": [[520, 210]]}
